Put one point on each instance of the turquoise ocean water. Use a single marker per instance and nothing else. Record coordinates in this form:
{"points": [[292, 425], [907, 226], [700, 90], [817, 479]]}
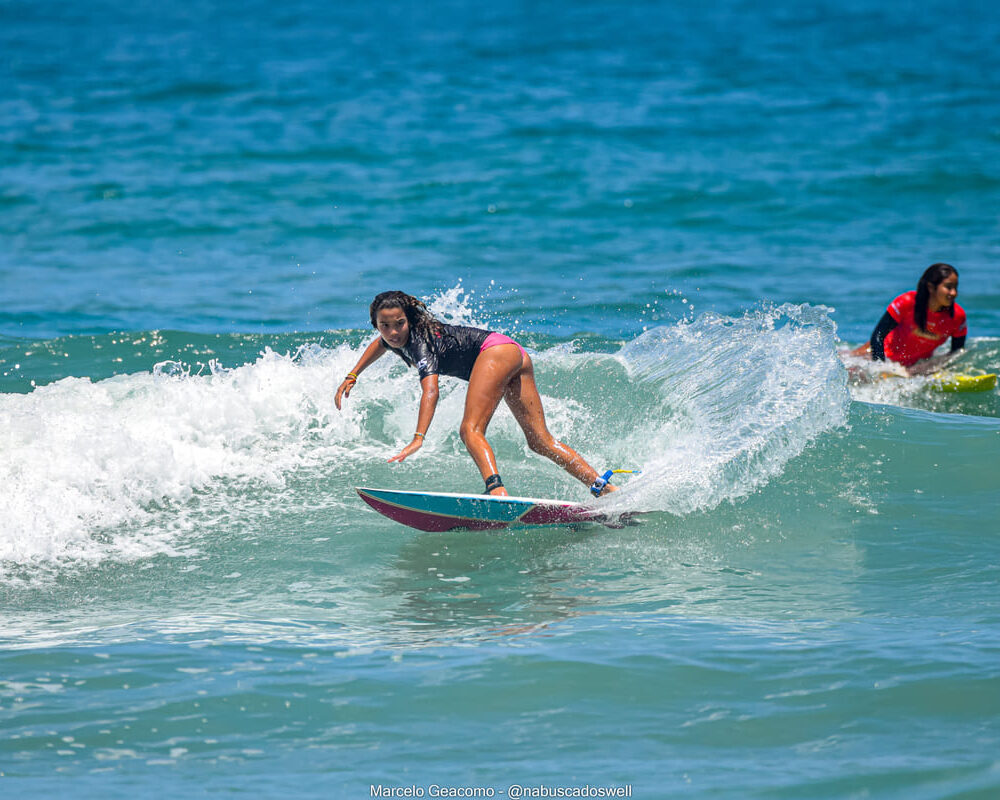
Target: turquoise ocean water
{"points": [[683, 210]]}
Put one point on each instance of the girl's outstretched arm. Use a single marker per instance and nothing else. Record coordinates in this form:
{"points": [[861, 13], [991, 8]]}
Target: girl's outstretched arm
{"points": [[428, 402], [372, 353]]}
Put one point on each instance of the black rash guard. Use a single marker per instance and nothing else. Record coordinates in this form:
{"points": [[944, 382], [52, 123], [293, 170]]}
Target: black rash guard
{"points": [[451, 351], [886, 324]]}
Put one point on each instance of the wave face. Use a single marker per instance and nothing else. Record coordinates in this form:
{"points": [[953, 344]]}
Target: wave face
{"points": [[736, 400]]}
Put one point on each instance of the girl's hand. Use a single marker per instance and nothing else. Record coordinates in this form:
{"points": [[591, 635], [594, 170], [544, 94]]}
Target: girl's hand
{"points": [[409, 450], [343, 392]]}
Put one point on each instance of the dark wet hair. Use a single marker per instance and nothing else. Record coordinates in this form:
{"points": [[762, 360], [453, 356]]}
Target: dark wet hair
{"points": [[931, 278], [417, 313]]}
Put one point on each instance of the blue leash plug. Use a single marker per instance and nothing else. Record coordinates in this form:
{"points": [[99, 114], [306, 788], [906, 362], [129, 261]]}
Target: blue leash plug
{"points": [[601, 482]]}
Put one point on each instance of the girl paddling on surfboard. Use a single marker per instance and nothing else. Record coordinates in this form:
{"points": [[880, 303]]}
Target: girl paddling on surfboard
{"points": [[494, 365], [917, 323]]}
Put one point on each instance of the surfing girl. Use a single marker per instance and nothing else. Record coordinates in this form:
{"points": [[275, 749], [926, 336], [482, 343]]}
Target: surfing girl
{"points": [[918, 322], [494, 365]]}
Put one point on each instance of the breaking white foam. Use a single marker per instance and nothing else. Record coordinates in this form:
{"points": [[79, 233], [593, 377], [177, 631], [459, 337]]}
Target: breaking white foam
{"points": [[728, 402]]}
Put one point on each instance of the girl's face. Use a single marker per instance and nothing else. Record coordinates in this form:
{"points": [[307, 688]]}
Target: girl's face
{"points": [[944, 294], [393, 326]]}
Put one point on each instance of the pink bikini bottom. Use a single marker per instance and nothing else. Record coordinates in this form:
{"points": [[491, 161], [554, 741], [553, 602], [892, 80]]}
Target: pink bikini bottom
{"points": [[498, 338]]}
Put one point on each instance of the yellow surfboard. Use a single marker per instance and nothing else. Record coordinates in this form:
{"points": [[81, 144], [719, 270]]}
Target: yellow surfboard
{"points": [[964, 382]]}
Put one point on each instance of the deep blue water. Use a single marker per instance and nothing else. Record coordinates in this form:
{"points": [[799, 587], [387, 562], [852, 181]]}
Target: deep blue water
{"points": [[683, 210]]}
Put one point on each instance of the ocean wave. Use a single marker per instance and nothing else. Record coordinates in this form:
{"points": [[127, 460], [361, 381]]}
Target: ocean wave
{"points": [[136, 464]]}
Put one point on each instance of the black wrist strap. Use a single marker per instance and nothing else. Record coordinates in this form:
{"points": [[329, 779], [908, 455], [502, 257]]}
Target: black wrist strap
{"points": [[493, 482]]}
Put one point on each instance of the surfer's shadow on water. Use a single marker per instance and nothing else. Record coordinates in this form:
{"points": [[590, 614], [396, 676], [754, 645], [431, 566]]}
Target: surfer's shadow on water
{"points": [[478, 585], [475, 584]]}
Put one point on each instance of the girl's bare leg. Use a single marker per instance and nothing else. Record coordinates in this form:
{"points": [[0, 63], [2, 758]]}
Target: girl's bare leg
{"points": [[502, 371], [493, 371], [525, 403]]}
